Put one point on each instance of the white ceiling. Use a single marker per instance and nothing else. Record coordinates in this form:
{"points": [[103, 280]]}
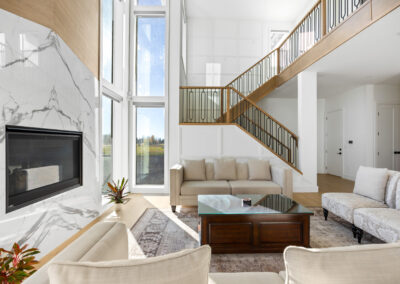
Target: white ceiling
{"points": [[269, 10], [371, 57]]}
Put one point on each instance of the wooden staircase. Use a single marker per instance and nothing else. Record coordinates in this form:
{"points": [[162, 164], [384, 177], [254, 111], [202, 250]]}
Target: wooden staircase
{"points": [[325, 27]]}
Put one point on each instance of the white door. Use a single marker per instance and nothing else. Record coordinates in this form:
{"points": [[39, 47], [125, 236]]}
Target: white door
{"points": [[385, 131], [396, 140], [335, 143]]}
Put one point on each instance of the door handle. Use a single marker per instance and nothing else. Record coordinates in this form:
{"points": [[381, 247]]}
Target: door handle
{"points": [[396, 152], [340, 153]]}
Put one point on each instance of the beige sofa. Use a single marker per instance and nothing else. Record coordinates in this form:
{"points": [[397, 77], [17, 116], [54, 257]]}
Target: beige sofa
{"points": [[101, 254], [185, 192], [375, 212]]}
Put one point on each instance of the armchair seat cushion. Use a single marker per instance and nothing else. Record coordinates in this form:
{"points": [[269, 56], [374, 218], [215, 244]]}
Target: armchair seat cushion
{"points": [[245, 277], [205, 187], [383, 223], [344, 204], [254, 187]]}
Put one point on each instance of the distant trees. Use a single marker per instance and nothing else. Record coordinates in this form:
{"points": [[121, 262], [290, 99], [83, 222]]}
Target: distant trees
{"points": [[151, 140]]}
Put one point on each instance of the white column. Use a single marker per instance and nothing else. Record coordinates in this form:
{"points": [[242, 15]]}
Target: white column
{"points": [[307, 128], [174, 79]]}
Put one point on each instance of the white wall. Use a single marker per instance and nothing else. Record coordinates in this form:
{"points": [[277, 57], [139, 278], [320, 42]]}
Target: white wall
{"points": [[359, 123], [284, 110], [176, 77], [357, 106], [235, 44], [321, 136]]}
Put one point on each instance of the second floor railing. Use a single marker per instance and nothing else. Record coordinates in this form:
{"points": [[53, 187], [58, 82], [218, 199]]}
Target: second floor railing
{"points": [[322, 19], [257, 74]]}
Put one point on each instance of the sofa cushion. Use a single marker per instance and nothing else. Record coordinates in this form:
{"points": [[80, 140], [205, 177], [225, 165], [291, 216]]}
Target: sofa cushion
{"points": [[259, 170], [187, 266], [210, 171], [245, 277], [205, 187], [242, 171], [367, 264], [194, 169], [383, 223], [391, 188], [86, 246], [254, 187], [371, 182], [344, 204], [225, 169]]}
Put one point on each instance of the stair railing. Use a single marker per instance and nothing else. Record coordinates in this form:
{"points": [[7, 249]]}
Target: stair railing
{"points": [[322, 19], [211, 105], [257, 75]]}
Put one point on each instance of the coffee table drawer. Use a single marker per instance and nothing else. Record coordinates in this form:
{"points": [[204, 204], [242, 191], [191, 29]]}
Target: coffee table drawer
{"points": [[230, 233], [280, 232]]}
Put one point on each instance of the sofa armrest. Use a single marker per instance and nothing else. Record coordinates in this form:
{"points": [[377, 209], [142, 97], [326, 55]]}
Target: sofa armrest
{"points": [[284, 178], [175, 180]]}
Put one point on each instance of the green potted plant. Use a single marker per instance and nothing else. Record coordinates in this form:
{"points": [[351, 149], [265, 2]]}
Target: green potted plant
{"points": [[116, 192], [17, 264]]}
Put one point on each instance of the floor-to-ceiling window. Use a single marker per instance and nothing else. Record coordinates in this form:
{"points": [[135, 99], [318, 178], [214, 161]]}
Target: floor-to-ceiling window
{"points": [[150, 141], [149, 93], [112, 94], [107, 131]]}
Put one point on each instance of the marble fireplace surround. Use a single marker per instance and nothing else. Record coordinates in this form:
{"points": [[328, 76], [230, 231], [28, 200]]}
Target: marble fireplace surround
{"points": [[44, 84]]}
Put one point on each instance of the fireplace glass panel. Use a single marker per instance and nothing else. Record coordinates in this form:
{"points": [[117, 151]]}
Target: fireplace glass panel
{"points": [[41, 163]]}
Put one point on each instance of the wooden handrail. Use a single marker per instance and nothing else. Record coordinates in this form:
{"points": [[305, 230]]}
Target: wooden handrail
{"points": [[264, 112], [200, 87]]}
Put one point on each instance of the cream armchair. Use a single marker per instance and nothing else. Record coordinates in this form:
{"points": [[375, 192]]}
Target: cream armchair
{"points": [[185, 192]]}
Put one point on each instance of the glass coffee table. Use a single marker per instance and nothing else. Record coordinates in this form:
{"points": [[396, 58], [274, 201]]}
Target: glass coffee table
{"points": [[269, 224]]}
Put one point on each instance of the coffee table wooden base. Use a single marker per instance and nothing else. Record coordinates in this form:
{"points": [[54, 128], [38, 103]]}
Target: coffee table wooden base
{"points": [[254, 233]]}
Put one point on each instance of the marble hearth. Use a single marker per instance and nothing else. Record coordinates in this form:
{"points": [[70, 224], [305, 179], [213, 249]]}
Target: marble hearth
{"points": [[44, 84]]}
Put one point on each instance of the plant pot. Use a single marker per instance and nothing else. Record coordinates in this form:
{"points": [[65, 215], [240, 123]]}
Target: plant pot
{"points": [[119, 206]]}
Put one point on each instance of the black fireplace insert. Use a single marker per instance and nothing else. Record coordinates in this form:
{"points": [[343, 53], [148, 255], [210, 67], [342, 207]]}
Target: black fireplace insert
{"points": [[40, 163]]}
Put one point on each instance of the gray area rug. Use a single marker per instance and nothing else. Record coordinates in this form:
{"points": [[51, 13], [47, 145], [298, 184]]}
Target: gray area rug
{"points": [[159, 232]]}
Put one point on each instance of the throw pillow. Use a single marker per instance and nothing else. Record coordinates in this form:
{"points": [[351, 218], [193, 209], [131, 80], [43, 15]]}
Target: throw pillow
{"points": [[225, 169], [397, 205], [242, 171], [194, 169], [187, 266], [391, 188], [371, 182], [210, 171], [259, 170], [376, 263]]}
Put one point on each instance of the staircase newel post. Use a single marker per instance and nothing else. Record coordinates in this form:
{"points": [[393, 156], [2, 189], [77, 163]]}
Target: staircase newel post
{"points": [[323, 18], [222, 104], [228, 102]]}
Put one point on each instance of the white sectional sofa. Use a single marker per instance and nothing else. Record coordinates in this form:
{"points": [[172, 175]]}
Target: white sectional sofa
{"points": [[226, 176], [100, 256], [374, 206]]}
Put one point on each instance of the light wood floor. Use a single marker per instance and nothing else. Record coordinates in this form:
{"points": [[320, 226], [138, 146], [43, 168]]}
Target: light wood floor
{"points": [[138, 203], [326, 183]]}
